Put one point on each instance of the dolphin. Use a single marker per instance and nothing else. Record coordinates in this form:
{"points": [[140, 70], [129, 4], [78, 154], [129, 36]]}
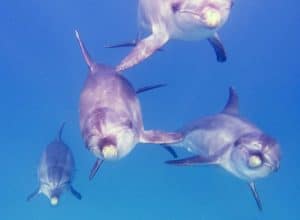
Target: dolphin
{"points": [[56, 171], [233, 143], [110, 114], [176, 19]]}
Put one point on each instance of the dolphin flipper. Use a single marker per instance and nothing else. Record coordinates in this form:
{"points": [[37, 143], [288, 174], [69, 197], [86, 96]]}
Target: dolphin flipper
{"points": [[75, 193], [148, 88], [160, 137], [219, 49], [95, 168], [143, 50], [170, 150], [125, 44], [132, 43], [193, 161], [255, 195], [33, 194]]}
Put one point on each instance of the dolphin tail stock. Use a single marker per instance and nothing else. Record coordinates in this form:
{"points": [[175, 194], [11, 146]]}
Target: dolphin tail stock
{"points": [[91, 64], [75, 193], [160, 137], [33, 194], [256, 195], [95, 168], [148, 88]]}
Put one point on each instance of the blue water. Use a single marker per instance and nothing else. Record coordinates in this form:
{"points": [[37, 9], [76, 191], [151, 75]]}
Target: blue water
{"points": [[42, 72]]}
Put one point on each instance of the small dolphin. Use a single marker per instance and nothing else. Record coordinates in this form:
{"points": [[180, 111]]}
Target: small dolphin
{"points": [[110, 115], [177, 19], [227, 140], [56, 171]]}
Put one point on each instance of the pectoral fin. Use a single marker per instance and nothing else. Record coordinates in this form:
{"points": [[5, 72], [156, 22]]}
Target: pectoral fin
{"points": [[160, 137], [170, 150], [193, 161], [255, 195], [75, 193], [219, 49], [33, 194], [148, 88], [95, 168], [132, 43], [143, 50]]}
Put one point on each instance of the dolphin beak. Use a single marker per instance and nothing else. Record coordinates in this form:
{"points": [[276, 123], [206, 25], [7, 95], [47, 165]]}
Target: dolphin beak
{"points": [[109, 152]]}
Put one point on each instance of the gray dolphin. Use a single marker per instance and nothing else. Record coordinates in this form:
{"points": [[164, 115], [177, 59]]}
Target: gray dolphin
{"points": [[229, 141], [110, 115], [56, 171], [177, 19]]}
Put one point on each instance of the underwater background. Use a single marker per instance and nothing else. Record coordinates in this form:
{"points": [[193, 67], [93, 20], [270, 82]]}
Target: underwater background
{"points": [[42, 73]]}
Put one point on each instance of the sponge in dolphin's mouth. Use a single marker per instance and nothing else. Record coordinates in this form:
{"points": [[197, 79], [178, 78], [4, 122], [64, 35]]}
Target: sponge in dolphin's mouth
{"points": [[211, 16], [54, 201], [254, 161], [109, 152]]}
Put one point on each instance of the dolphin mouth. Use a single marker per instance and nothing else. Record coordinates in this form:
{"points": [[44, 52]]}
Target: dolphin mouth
{"points": [[209, 16]]}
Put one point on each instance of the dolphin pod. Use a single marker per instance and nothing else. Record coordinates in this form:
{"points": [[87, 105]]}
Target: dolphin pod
{"points": [[111, 121]]}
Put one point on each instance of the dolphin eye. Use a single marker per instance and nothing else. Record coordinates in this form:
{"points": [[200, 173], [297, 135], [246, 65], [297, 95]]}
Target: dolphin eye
{"points": [[255, 161], [176, 6]]}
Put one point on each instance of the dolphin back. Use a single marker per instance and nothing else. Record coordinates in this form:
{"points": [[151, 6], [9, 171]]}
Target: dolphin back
{"points": [[57, 164]]}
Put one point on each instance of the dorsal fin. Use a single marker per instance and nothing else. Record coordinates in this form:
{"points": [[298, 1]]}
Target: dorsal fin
{"points": [[232, 105], [61, 131], [91, 64]]}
